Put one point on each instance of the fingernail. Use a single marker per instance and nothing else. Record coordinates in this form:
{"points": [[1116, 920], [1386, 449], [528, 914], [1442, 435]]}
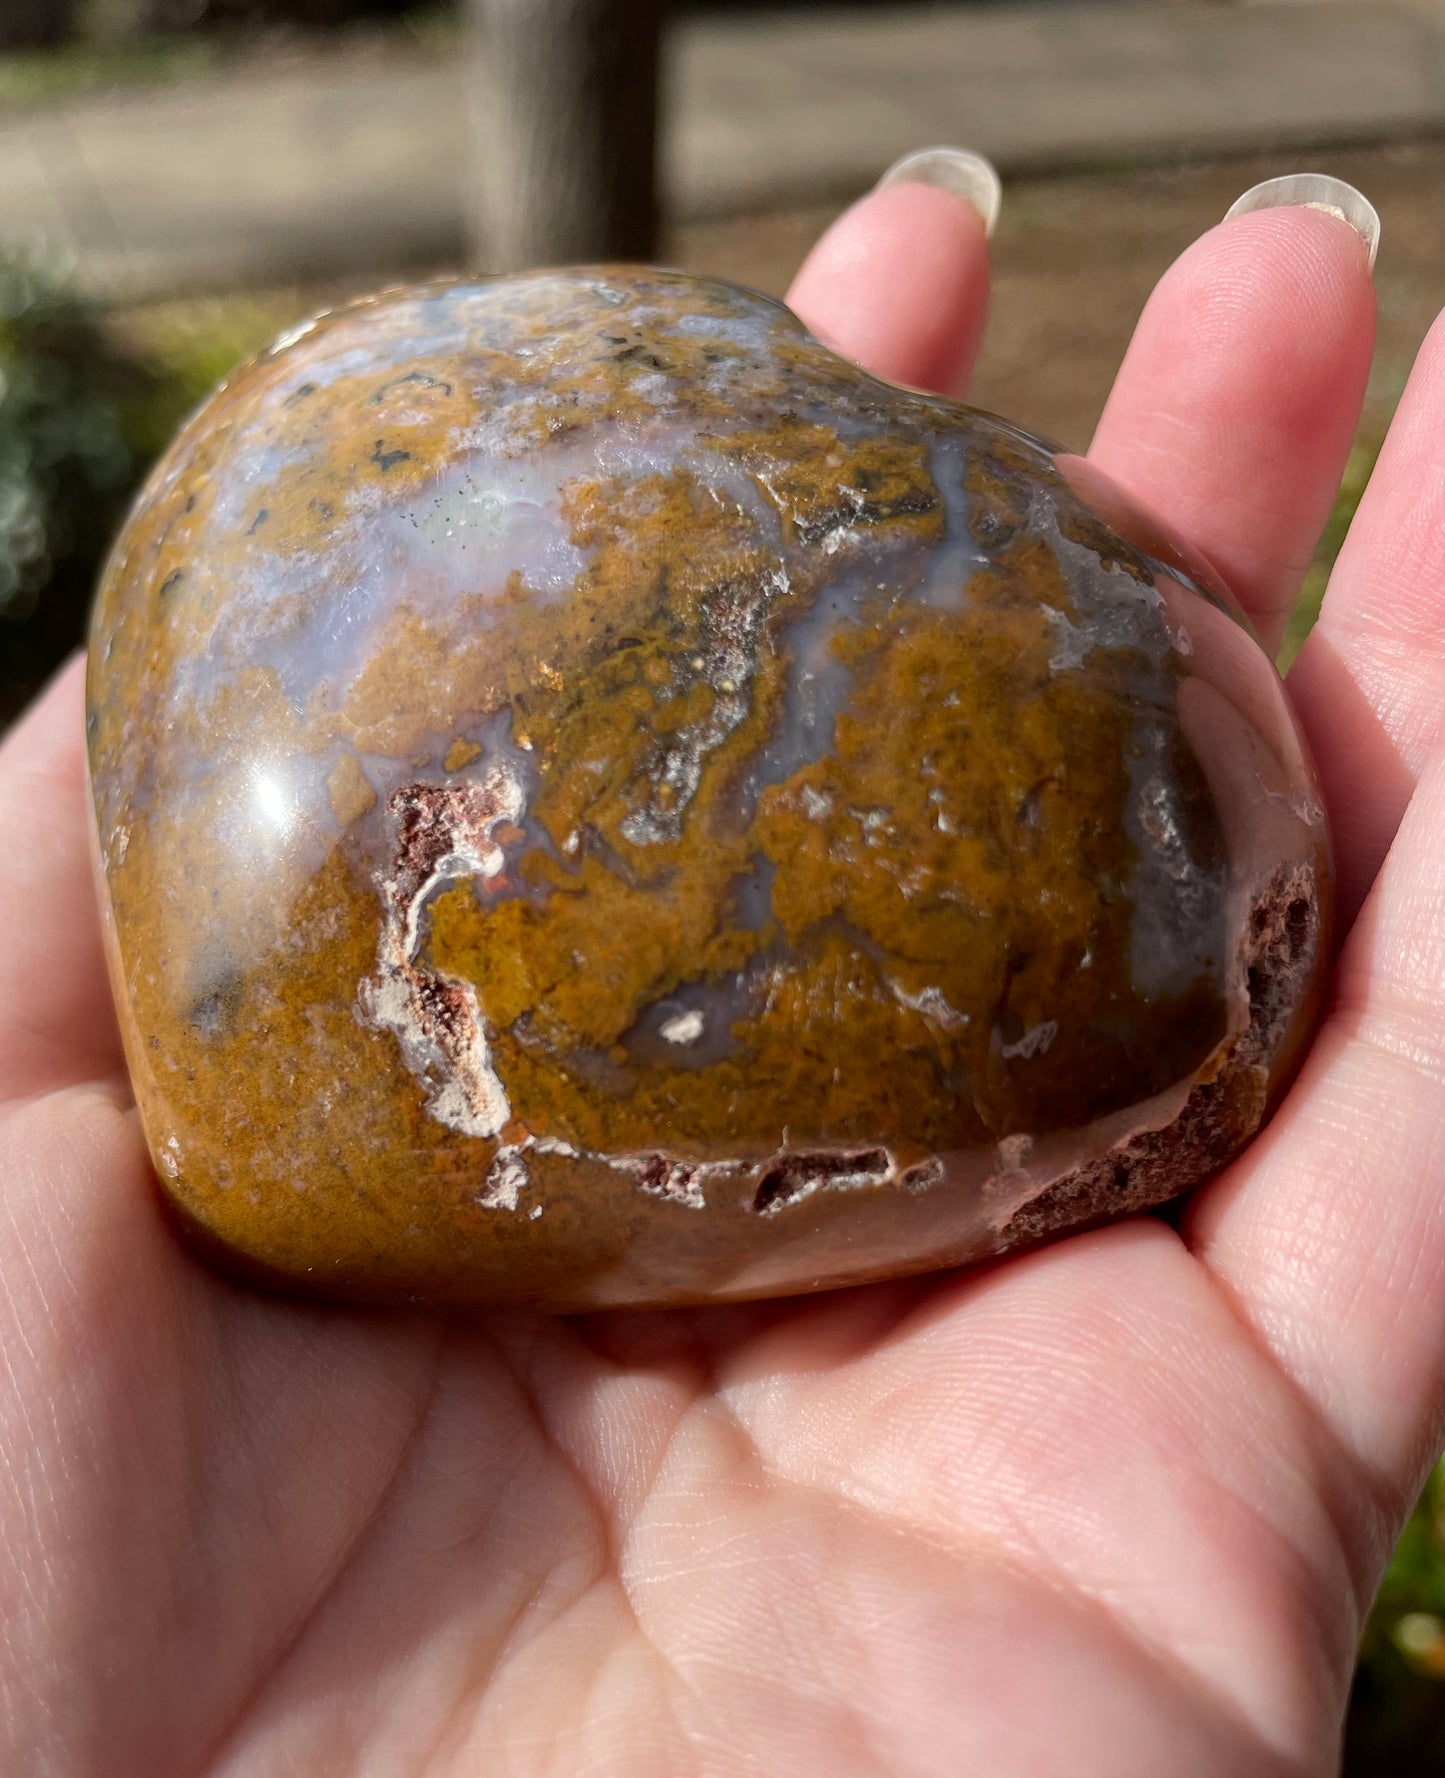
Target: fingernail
{"points": [[959, 170], [1315, 191]]}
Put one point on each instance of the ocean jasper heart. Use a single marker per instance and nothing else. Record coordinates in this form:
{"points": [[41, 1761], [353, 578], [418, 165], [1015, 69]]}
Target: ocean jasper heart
{"points": [[601, 802]]}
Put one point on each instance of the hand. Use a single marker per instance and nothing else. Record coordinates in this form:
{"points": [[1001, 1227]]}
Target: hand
{"points": [[1114, 1508]]}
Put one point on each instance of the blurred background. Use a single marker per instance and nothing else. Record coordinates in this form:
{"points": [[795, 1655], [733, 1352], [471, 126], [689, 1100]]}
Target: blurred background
{"points": [[182, 179]]}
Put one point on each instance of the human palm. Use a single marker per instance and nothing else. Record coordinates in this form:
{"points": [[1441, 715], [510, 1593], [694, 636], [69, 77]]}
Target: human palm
{"points": [[1113, 1508]]}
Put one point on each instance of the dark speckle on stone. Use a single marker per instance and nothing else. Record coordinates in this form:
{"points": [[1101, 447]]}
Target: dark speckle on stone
{"points": [[385, 459], [419, 378]]}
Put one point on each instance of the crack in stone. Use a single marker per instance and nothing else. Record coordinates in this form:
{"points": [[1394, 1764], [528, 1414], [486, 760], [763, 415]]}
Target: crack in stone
{"points": [[444, 832]]}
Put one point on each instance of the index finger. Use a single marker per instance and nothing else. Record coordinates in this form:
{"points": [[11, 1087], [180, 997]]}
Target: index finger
{"points": [[899, 283]]}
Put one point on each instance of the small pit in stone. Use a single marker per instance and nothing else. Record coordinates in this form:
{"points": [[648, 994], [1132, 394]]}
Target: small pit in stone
{"points": [[666, 1177], [922, 1176], [793, 1176]]}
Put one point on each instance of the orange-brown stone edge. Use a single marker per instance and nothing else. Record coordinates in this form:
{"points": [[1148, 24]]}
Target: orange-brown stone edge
{"points": [[1289, 928]]}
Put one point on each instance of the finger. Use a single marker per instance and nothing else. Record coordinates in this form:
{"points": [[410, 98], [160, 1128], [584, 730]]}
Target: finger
{"points": [[1234, 409], [1327, 1235], [900, 282], [56, 1023], [1367, 682]]}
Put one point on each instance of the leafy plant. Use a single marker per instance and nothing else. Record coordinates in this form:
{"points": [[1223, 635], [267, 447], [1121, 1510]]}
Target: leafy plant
{"points": [[1396, 1725], [80, 420], [1358, 470]]}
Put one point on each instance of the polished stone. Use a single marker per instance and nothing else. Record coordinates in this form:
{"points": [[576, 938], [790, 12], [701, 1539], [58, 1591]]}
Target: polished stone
{"points": [[600, 801]]}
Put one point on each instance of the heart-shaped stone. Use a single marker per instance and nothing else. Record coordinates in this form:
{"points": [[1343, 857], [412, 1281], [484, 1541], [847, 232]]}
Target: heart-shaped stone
{"points": [[603, 802]]}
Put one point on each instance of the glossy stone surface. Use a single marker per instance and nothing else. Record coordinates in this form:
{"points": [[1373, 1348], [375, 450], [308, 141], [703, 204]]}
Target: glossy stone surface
{"points": [[602, 802]]}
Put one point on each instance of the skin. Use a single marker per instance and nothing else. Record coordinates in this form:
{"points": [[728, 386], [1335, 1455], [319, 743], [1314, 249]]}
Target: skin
{"points": [[1113, 1508]]}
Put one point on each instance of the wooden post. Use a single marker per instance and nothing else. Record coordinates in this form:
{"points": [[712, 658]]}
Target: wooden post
{"points": [[564, 105]]}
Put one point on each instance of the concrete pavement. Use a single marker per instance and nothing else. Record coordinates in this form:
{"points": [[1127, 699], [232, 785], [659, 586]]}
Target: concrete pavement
{"points": [[350, 165]]}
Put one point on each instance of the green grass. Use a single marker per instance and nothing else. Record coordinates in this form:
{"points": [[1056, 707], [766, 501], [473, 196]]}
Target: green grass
{"points": [[39, 77], [1356, 478], [196, 343], [1396, 1724], [104, 62], [1409, 1615]]}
